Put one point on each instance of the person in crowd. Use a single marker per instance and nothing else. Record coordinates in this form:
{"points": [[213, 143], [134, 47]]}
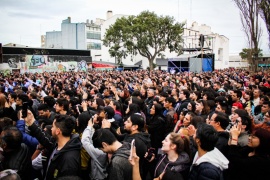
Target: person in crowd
{"points": [[209, 162], [63, 157], [6, 110], [99, 159], [175, 162], [254, 165], [156, 127], [202, 108], [220, 121], [15, 153], [119, 167]]}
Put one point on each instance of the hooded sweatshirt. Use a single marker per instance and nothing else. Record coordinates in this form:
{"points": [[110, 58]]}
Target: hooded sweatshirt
{"points": [[67, 161], [209, 166], [178, 168], [120, 168], [98, 158]]}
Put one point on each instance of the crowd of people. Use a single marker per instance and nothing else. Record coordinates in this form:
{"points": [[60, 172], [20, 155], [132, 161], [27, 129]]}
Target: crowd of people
{"points": [[124, 125]]}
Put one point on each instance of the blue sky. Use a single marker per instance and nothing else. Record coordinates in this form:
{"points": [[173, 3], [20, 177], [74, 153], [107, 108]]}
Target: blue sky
{"points": [[24, 21]]}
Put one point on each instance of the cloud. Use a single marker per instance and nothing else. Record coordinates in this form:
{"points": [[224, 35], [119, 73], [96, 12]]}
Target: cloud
{"points": [[28, 15]]}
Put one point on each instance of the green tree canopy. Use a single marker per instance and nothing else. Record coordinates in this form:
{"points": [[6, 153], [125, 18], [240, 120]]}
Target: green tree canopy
{"points": [[250, 53], [147, 34]]}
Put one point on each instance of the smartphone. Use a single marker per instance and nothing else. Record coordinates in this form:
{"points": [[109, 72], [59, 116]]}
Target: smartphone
{"points": [[24, 110], [131, 148], [150, 153]]}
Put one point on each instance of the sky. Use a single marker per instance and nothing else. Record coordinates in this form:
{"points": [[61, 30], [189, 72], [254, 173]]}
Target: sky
{"points": [[23, 22]]}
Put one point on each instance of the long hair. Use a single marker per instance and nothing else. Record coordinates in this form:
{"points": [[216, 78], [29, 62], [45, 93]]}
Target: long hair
{"points": [[181, 142]]}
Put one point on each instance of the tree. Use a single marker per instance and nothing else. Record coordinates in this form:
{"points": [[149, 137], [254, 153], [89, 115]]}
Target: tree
{"points": [[250, 53], [146, 34], [265, 14], [249, 12]]}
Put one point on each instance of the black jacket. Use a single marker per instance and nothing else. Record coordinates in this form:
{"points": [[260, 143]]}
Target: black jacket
{"points": [[20, 160], [66, 162], [205, 171], [222, 143], [244, 167]]}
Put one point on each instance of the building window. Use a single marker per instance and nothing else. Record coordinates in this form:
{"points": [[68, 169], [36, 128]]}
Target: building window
{"points": [[94, 35], [92, 45]]}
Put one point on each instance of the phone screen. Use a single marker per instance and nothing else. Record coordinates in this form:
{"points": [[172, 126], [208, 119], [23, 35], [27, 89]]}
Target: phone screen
{"points": [[131, 148]]}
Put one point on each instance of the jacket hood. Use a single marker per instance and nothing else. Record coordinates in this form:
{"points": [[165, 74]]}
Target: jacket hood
{"points": [[123, 151], [215, 157], [183, 158], [145, 137], [73, 144]]}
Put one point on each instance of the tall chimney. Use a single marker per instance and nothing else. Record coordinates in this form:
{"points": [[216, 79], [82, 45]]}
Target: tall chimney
{"points": [[109, 14]]}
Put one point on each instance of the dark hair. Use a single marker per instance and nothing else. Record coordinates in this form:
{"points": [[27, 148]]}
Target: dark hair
{"points": [[238, 93], [223, 119], [103, 135], [12, 137], [65, 123], [186, 92], [137, 119], [63, 102], [49, 100], [264, 146], [171, 100], [83, 119], [207, 135], [43, 107], [23, 97], [134, 108], [195, 120]]}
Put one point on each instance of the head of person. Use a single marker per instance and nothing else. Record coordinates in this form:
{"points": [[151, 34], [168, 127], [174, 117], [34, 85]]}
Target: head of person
{"points": [[134, 123], [156, 109], [267, 118], [195, 95], [163, 96], [191, 106], [82, 121], [109, 112], [236, 95], [183, 114], [21, 98], [63, 126], [219, 121], [49, 100], [188, 118], [206, 137], [12, 97], [169, 102], [104, 139], [177, 143], [44, 111], [265, 107], [133, 108], [61, 104], [184, 94], [260, 142], [11, 138]]}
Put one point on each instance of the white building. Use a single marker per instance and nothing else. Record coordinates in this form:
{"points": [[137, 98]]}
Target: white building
{"points": [[89, 35], [217, 44], [77, 36], [235, 61]]}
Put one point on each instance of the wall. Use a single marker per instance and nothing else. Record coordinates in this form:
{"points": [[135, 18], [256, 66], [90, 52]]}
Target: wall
{"points": [[42, 63]]}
